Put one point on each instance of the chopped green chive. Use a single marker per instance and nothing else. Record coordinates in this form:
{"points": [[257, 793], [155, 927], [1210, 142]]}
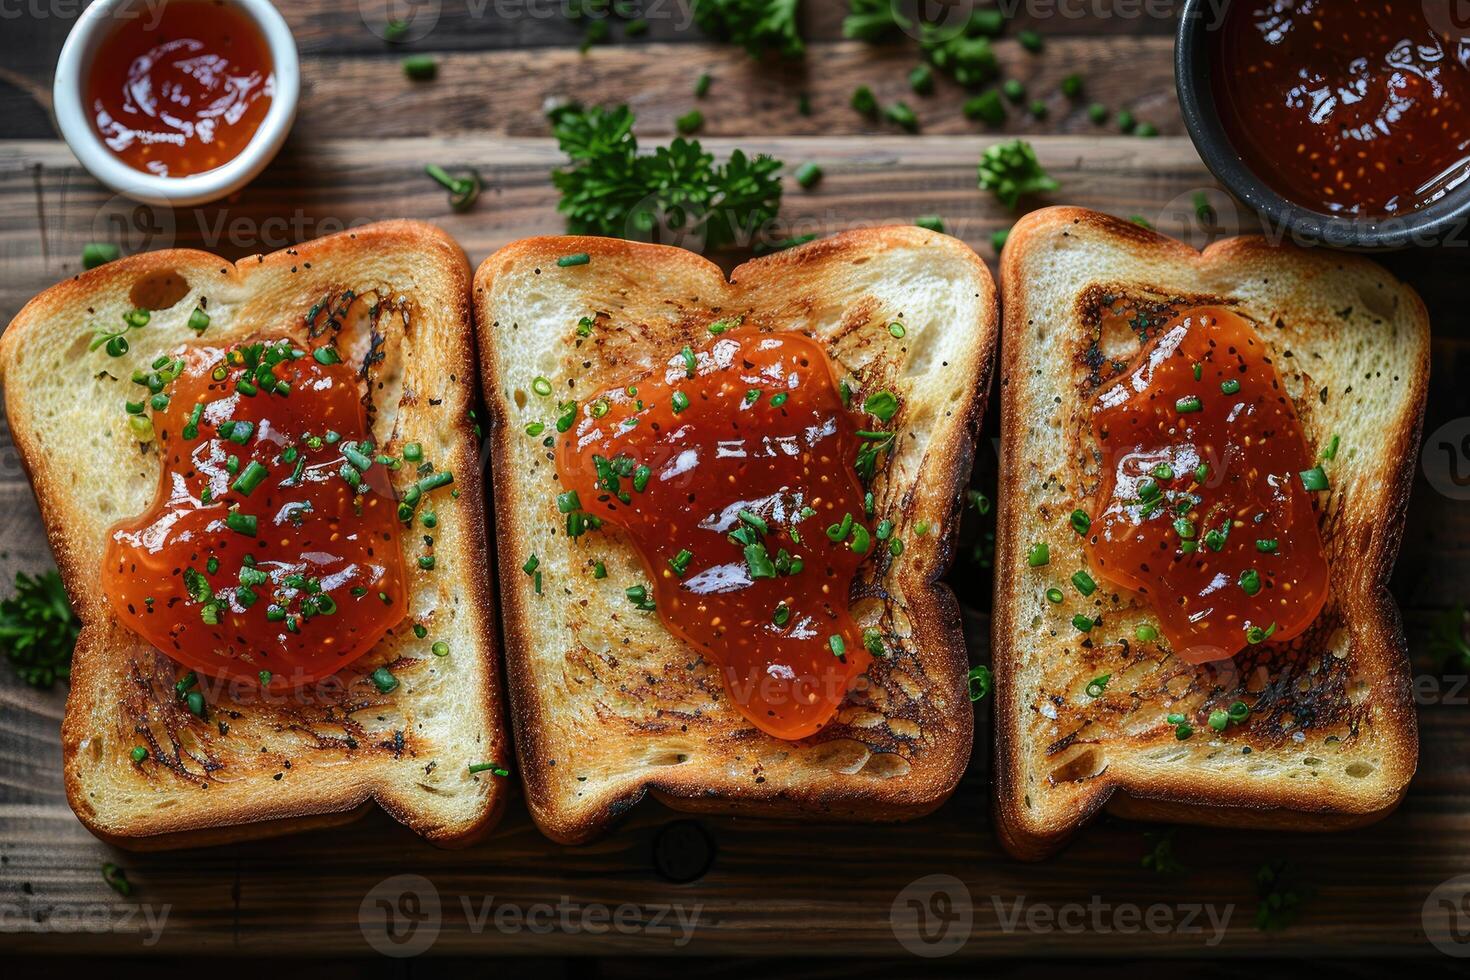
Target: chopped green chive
{"points": [[1146, 634], [439, 649], [1038, 555], [420, 67], [921, 80], [1314, 480], [1267, 546], [807, 175], [897, 330], [680, 562], [198, 320], [1230, 387], [1084, 583], [837, 644], [1250, 581], [245, 524], [576, 258], [1188, 404], [1054, 596], [782, 615], [1098, 685], [689, 122], [251, 478], [383, 680], [98, 253], [986, 107], [1081, 523], [1083, 624]]}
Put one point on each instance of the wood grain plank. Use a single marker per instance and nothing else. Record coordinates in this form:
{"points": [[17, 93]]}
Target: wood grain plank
{"points": [[35, 31], [506, 91]]}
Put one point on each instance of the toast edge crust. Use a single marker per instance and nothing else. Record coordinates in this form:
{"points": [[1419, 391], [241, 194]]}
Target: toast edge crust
{"points": [[1298, 809], [939, 615], [155, 831]]}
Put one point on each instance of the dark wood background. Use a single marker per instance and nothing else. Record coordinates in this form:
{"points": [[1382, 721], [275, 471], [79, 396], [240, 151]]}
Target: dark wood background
{"points": [[363, 134]]}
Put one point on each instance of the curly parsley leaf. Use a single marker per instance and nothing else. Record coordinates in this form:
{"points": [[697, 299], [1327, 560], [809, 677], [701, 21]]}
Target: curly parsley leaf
{"points": [[608, 188], [39, 629], [1011, 171], [756, 25], [965, 55], [1282, 893]]}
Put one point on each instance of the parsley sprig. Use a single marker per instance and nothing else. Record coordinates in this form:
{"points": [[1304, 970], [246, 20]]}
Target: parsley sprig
{"points": [[1011, 171], [39, 629], [609, 189], [756, 25]]}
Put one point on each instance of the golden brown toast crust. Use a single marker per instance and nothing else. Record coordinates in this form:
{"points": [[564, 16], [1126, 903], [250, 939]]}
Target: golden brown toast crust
{"points": [[930, 733], [254, 770], [1357, 701]]}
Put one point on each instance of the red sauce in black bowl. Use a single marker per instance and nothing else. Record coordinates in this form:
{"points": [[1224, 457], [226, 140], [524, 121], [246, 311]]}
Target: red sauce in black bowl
{"points": [[1343, 106]]}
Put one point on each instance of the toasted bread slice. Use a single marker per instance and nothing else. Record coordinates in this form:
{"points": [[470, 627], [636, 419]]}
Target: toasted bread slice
{"points": [[1331, 738], [255, 765], [607, 705]]}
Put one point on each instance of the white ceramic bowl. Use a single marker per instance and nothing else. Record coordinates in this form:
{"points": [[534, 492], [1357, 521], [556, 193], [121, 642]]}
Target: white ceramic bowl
{"points": [[76, 126]]}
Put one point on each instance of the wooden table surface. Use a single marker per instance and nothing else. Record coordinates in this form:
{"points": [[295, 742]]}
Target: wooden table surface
{"points": [[356, 154]]}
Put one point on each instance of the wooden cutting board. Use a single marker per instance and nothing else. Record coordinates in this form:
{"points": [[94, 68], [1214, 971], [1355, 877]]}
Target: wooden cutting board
{"points": [[835, 886]]}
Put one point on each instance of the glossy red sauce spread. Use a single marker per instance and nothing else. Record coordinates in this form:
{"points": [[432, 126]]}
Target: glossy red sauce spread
{"points": [[1202, 509], [182, 88], [267, 548], [1345, 106], [727, 468]]}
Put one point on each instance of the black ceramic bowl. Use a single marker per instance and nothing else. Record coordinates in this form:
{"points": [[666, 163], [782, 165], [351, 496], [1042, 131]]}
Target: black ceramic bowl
{"points": [[1194, 47]]}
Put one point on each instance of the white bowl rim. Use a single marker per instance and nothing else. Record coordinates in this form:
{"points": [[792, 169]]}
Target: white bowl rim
{"points": [[76, 128]]}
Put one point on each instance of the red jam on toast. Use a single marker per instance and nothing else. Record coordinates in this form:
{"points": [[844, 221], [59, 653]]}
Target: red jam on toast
{"points": [[731, 470], [1208, 491], [271, 553]]}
